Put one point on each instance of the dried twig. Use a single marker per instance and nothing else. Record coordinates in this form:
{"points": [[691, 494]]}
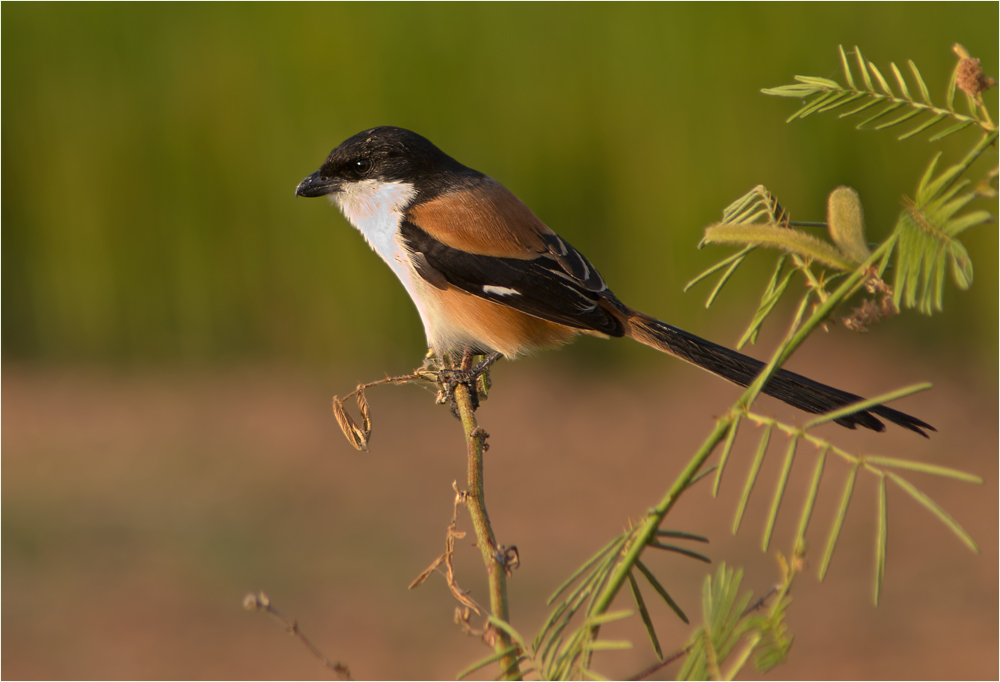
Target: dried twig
{"points": [[447, 558], [261, 602]]}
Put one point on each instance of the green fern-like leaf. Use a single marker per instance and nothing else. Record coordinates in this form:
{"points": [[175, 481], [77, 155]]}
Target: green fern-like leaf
{"points": [[881, 537], [563, 646], [757, 219], [878, 99], [927, 231], [725, 624], [779, 492], [883, 468], [776, 639], [756, 206], [647, 620]]}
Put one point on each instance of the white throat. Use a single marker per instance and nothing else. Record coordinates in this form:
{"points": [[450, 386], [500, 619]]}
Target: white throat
{"points": [[376, 209]]}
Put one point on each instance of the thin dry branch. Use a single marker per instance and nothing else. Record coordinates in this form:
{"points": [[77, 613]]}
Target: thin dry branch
{"points": [[261, 602]]}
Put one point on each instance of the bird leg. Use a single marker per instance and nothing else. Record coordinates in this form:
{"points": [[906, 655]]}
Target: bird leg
{"points": [[477, 378]]}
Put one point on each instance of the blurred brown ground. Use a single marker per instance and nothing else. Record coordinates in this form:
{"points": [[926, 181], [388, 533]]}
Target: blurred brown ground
{"points": [[138, 509]]}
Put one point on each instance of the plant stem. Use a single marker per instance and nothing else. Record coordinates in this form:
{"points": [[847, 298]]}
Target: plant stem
{"points": [[645, 530], [641, 536], [475, 501]]}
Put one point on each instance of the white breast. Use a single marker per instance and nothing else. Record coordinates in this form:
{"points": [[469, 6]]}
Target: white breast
{"points": [[376, 210]]}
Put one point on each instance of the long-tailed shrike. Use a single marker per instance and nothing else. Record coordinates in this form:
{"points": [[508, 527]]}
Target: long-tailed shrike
{"points": [[488, 276]]}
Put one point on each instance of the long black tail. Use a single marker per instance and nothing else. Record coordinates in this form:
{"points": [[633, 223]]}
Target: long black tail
{"points": [[794, 389]]}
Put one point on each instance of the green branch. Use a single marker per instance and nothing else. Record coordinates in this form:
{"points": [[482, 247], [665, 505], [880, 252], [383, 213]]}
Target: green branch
{"points": [[475, 440]]}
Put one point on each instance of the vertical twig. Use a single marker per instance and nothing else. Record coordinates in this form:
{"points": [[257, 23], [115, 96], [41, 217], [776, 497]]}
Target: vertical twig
{"points": [[475, 439]]}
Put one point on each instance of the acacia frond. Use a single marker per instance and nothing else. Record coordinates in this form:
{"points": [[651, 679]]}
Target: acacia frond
{"points": [[561, 650], [883, 468], [757, 220], [927, 232], [878, 99], [775, 638], [725, 624], [927, 245]]}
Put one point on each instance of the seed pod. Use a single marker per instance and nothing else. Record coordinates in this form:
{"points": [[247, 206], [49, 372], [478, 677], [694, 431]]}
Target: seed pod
{"points": [[846, 220]]}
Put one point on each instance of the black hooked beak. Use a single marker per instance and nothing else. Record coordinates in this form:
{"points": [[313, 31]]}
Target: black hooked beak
{"points": [[317, 185]]}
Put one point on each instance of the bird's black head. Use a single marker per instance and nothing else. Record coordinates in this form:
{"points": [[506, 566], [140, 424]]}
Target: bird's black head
{"points": [[384, 154]]}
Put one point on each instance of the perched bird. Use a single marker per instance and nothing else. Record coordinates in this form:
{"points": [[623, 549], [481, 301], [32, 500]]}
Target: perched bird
{"points": [[488, 276]]}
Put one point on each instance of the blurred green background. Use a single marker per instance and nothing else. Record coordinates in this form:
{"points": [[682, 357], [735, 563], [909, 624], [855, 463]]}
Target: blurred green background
{"points": [[150, 153], [174, 322]]}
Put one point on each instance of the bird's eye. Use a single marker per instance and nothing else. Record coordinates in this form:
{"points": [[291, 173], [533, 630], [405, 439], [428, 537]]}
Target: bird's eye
{"points": [[362, 166]]}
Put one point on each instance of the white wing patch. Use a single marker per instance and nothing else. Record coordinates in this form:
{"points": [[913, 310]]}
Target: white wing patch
{"points": [[500, 291]]}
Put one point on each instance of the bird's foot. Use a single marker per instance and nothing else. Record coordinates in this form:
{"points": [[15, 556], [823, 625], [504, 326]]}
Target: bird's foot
{"points": [[477, 378]]}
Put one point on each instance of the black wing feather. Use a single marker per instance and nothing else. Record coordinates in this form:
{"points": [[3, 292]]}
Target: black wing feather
{"points": [[569, 294]]}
